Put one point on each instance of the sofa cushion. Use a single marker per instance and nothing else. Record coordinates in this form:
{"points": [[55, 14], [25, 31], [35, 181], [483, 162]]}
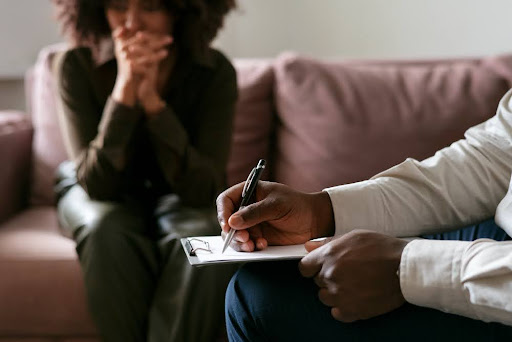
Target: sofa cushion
{"points": [[342, 122], [15, 152], [253, 118], [41, 291]]}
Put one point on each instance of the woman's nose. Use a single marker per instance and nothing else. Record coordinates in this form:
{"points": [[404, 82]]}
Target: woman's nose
{"points": [[133, 20]]}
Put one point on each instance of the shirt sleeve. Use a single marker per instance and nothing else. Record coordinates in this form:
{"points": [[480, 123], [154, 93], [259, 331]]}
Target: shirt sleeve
{"points": [[195, 168], [96, 137], [472, 279], [459, 185]]}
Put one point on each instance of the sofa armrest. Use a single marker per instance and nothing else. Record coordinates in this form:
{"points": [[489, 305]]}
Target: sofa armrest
{"points": [[15, 155]]}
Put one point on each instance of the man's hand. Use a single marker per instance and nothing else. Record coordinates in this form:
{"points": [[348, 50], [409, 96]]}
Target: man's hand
{"points": [[356, 273], [280, 216]]}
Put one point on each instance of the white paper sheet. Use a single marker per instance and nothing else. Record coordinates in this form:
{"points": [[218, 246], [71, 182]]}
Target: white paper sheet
{"points": [[215, 244]]}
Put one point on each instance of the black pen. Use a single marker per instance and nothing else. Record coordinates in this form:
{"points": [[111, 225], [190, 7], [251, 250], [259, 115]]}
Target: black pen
{"points": [[247, 192]]}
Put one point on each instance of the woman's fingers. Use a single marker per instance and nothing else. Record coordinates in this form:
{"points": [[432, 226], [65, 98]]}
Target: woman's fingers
{"points": [[120, 33], [144, 42], [149, 59], [142, 65], [136, 52]]}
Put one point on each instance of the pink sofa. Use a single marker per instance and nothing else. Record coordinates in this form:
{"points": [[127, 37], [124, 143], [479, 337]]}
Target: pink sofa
{"points": [[317, 123]]}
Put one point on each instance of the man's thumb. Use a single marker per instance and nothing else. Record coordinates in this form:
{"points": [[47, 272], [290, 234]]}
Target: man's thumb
{"points": [[315, 243]]}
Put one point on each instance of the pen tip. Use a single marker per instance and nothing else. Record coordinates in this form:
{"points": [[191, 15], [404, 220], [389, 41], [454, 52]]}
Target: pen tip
{"points": [[261, 163]]}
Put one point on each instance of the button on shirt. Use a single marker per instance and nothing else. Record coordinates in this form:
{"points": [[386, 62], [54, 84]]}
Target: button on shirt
{"points": [[460, 185]]}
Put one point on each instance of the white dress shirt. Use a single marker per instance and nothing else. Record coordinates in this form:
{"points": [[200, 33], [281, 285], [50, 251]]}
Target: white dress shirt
{"points": [[460, 185]]}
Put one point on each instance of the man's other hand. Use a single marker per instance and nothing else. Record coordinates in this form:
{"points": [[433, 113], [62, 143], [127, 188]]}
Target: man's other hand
{"points": [[356, 273]]}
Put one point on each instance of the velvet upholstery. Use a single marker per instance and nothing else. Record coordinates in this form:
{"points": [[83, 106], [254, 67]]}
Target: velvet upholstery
{"points": [[41, 291], [254, 117], [15, 148], [48, 147], [343, 122]]}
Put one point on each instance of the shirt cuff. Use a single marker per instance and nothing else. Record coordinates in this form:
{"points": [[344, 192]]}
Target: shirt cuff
{"points": [[350, 205], [430, 275]]}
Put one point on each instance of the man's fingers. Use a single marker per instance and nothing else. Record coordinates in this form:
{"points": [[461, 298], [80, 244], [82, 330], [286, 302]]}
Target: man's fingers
{"points": [[311, 264], [319, 281], [249, 240], [241, 236], [312, 245], [226, 204], [243, 246], [343, 316], [261, 243], [248, 246], [254, 214], [325, 297], [237, 246]]}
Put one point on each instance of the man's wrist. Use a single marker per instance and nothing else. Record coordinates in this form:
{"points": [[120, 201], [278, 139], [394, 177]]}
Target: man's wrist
{"points": [[325, 225]]}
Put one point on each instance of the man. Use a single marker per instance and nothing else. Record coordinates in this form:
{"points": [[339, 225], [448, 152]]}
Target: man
{"points": [[364, 282]]}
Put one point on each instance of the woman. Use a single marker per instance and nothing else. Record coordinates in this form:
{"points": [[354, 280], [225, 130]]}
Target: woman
{"points": [[146, 114]]}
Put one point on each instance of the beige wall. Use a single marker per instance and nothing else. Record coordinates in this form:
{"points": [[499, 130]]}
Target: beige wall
{"points": [[320, 28], [12, 94], [25, 27], [369, 28]]}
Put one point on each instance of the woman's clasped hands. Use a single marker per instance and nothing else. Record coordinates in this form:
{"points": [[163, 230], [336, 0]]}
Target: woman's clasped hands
{"points": [[139, 55]]}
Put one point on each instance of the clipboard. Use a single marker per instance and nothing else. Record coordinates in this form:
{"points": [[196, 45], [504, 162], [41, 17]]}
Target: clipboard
{"points": [[207, 250]]}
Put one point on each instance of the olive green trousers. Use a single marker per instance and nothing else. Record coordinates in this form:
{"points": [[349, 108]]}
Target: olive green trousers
{"points": [[140, 286]]}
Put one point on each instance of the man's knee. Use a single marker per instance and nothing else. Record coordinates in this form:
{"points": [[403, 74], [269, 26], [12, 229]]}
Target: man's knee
{"points": [[263, 299], [241, 297], [255, 288]]}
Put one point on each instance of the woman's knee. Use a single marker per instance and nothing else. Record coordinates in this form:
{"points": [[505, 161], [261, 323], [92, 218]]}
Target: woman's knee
{"points": [[108, 226], [185, 222], [80, 217]]}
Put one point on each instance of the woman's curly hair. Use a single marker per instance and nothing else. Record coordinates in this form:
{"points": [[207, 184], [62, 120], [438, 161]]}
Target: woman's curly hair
{"points": [[85, 22]]}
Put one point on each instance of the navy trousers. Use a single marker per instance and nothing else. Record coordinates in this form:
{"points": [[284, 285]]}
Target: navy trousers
{"points": [[273, 302]]}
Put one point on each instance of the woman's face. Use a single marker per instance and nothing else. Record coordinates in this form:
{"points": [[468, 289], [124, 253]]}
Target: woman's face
{"points": [[139, 15]]}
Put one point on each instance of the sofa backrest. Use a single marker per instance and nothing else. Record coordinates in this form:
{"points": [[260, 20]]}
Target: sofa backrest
{"points": [[342, 122], [48, 149], [15, 146], [254, 119], [319, 123]]}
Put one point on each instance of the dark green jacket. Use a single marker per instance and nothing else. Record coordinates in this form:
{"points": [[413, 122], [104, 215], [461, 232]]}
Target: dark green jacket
{"points": [[119, 152]]}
